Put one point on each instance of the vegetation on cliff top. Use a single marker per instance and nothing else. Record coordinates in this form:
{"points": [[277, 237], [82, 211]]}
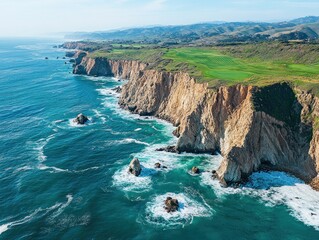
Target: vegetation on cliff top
{"points": [[269, 99], [255, 64]]}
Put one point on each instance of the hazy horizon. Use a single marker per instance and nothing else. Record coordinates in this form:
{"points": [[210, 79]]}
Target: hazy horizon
{"points": [[27, 18]]}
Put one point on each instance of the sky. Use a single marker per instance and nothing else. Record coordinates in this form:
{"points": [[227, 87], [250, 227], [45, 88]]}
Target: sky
{"points": [[47, 17]]}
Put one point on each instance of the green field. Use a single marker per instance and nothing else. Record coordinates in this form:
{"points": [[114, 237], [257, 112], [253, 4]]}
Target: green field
{"points": [[215, 67], [258, 65], [144, 55]]}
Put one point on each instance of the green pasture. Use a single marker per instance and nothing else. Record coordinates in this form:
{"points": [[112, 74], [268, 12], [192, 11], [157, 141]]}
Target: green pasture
{"points": [[212, 66], [251, 65]]}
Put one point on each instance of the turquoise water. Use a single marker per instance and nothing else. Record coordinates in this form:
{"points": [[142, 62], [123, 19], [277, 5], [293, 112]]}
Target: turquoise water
{"points": [[61, 181]]}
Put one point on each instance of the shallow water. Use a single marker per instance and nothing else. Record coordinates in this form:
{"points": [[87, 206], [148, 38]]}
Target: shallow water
{"points": [[62, 181]]}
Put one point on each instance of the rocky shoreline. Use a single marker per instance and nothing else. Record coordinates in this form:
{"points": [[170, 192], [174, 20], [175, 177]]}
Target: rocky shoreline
{"points": [[254, 128]]}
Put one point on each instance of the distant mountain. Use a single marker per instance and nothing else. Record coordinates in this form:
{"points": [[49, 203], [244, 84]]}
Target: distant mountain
{"points": [[306, 28], [304, 20]]}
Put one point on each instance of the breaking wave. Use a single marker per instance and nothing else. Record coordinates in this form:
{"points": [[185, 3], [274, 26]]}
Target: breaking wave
{"points": [[189, 208]]}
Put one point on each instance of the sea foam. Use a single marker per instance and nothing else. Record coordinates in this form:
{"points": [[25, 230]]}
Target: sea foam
{"points": [[188, 209], [40, 145], [126, 141], [128, 182], [74, 124], [277, 188], [56, 209]]}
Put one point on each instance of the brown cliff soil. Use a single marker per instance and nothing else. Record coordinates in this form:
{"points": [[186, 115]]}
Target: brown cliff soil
{"points": [[315, 183]]}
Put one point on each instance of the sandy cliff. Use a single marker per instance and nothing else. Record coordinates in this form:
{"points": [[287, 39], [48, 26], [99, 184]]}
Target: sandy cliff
{"points": [[254, 128]]}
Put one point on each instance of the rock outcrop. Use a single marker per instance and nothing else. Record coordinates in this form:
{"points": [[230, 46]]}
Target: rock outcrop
{"points": [[171, 205], [70, 54], [117, 89], [99, 66], [254, 128], [135, 167], [195, 170], [80, 119], [93, 67], [171, 149]]}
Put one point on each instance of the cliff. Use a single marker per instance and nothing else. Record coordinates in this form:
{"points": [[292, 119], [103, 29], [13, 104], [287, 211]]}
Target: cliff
{"points": [[254, 128]]}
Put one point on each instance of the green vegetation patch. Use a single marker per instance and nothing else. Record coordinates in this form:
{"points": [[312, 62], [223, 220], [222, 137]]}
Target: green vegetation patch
{"points": [[215, 66], [278, 101], [144, 55], [275, 52]]}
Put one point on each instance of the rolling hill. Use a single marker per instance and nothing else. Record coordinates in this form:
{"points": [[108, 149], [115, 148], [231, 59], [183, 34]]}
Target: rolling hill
{"points": [[305, 29]]}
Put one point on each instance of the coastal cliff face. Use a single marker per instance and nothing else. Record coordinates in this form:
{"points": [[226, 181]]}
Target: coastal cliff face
{"points": [[102, 67], [254, 128]]}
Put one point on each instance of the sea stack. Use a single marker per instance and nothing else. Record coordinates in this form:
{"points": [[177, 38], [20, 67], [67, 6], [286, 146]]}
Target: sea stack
{"points": [[135, 167], [171, 204], [80, 119]]}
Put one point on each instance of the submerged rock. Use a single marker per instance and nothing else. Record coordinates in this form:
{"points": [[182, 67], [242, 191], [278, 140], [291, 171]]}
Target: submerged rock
{"points": [[158, 166], [171, 149], [81, 119], [195, 170], [135, 167], [46, 58], [171, 205]]}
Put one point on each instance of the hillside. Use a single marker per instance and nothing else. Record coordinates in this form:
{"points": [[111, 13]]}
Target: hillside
{"points": [[305, 29]]}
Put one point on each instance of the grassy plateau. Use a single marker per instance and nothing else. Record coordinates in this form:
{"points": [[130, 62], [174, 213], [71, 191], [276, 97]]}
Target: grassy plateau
{"points": [[253, 64]]}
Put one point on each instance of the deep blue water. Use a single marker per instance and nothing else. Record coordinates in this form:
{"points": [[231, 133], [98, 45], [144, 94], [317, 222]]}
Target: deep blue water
{"points": [[61, 181]]}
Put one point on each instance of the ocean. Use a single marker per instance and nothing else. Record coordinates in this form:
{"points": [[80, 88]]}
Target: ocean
{"points": [[62, 181]]}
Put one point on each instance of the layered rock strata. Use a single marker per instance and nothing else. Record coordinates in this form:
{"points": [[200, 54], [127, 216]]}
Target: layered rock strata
{"points": [[254, 128]]}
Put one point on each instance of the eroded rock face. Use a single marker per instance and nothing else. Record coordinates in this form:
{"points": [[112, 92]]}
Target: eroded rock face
{"points": [[315, 183], [253, 128], [80, 119], [117, 89], [92, 66], [226, 120], [171, 205], [135, 167], [273, 139], [99, 66]]}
